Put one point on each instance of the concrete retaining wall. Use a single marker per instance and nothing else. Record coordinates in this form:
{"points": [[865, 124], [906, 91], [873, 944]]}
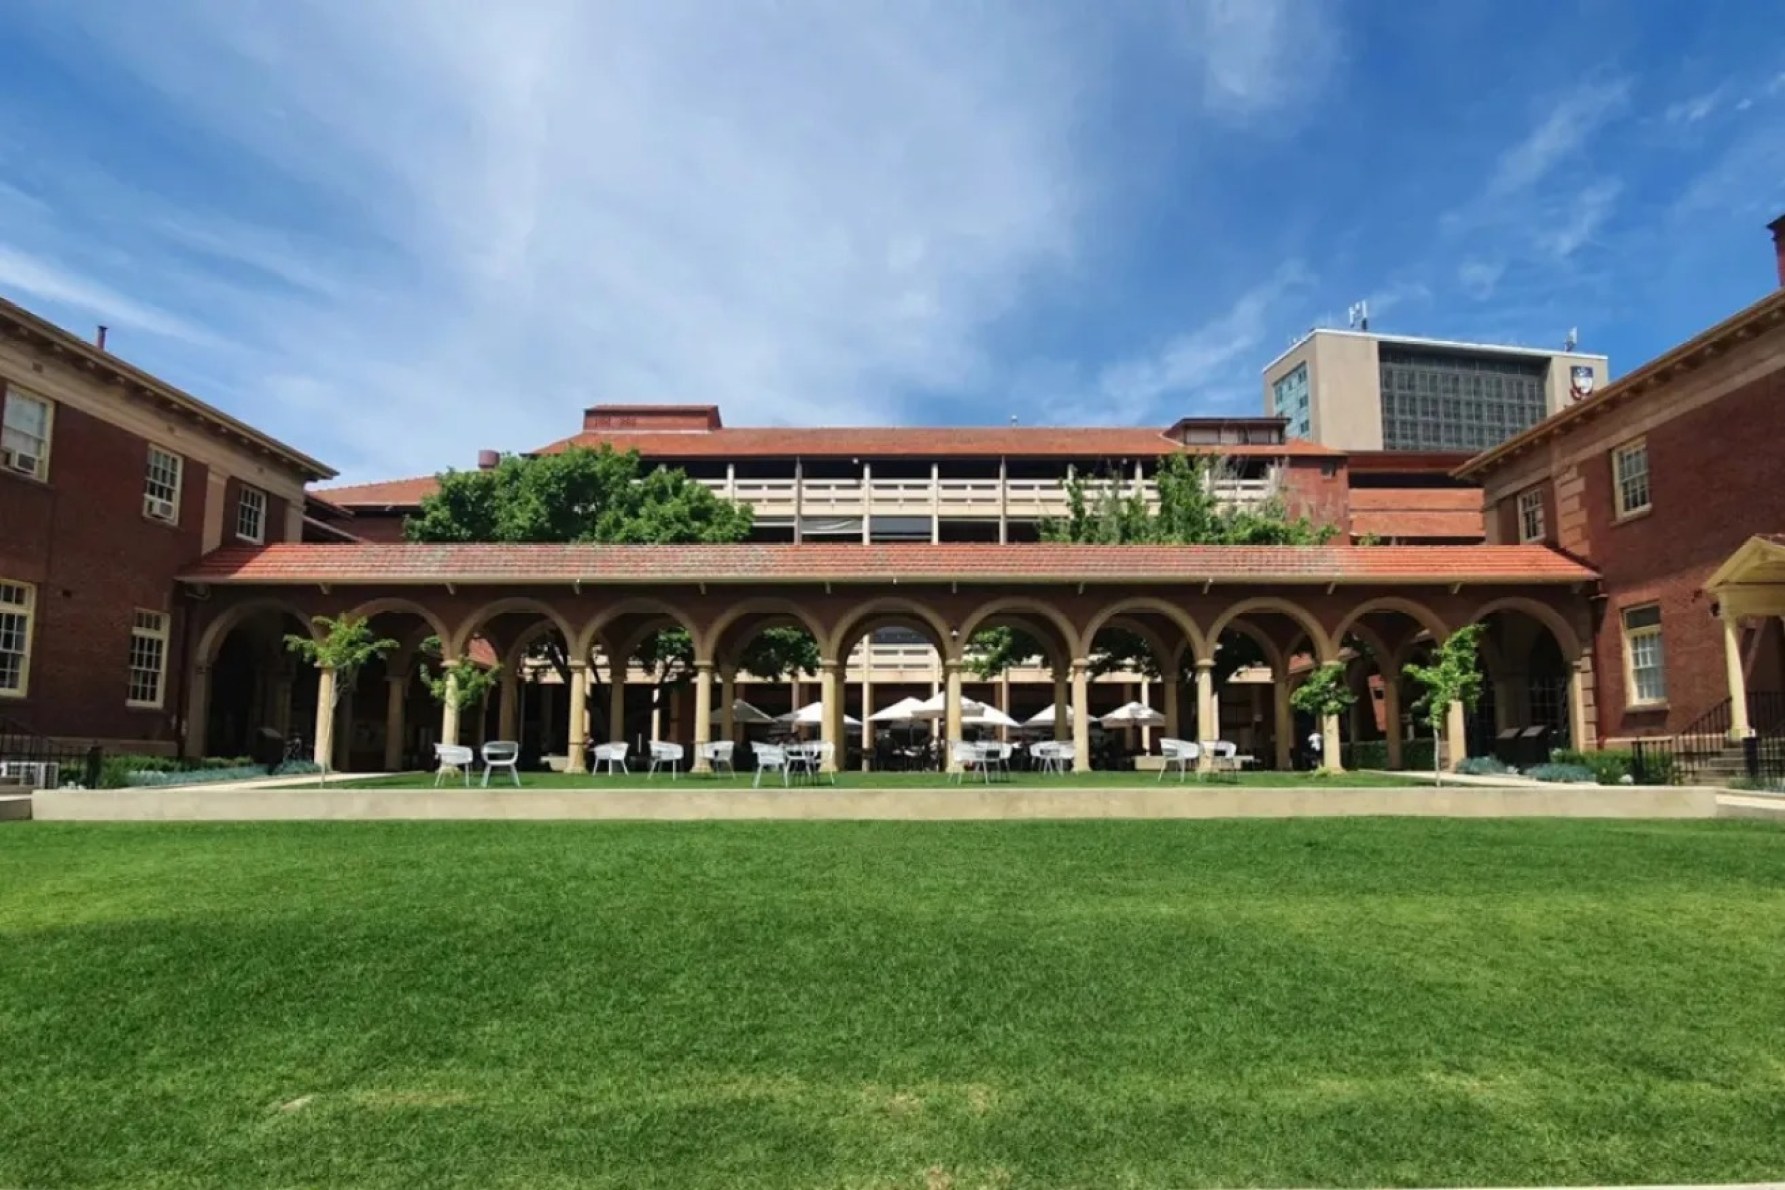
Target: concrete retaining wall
{"points": [[305, 804]]}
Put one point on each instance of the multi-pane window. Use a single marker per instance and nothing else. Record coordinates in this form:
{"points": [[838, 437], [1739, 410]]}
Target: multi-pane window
{"points": [[148, 658], [161, 492], [25, 434], [1530, 515], [1643, 656], [1630, 477], [1439, 400], [17, 603], [1289, 398], [251, 515]]}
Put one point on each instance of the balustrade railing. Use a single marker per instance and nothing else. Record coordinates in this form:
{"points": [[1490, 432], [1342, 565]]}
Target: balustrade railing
{"points": [[26, 756], [982, 498], [1705, 750]]}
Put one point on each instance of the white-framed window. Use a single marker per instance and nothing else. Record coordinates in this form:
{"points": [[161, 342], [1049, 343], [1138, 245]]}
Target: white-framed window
{"points": [[1630, 477], [1530, 514], [1644, 661], [18, 606], [251, 515], [25, 433], [148, 659], [161, 492]]}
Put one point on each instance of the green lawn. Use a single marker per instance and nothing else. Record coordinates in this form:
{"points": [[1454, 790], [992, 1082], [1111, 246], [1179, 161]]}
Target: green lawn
{"points": [[868, 1005], [854, 780]]}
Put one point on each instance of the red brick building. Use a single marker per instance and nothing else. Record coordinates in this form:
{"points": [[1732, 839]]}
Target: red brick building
{"points": [[1657, 481], [111, 483]]}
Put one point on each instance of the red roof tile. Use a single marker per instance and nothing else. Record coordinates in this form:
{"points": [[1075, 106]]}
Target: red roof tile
{"points": [[881, 563], [1417, 499], [395, 493], [923, 442], [1407, 526]]}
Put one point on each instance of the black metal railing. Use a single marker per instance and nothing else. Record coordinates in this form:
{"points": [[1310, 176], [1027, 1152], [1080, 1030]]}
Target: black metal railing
{"points": [[1705, 750], [19, 745]]}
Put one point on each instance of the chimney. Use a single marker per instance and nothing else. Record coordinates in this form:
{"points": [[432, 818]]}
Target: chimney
{"points": [[1777, 227], [488, 460], [99, 339]]}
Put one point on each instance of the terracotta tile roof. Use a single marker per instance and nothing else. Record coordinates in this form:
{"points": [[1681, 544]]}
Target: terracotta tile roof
{"points": [[880, 563], [394, 493], [1401, 514], [1417, 499], [923, 442]]}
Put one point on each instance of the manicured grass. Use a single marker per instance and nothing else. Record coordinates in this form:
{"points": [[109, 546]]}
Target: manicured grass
{"points": [[857, 780], [1086, 1004]]}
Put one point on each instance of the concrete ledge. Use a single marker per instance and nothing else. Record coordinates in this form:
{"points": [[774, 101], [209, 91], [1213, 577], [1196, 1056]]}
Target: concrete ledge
{"points": [[1736, 805], [313, 804], [15, 807]]}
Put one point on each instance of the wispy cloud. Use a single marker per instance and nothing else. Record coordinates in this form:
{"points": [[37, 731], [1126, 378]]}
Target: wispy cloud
{"points": [[1569, 124], [47, 281], [1580, 219], [1695, 108], [1480, 277], [1214, 366], [1260, 56]]}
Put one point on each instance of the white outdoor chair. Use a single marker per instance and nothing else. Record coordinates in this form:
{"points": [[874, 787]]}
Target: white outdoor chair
{"points": [[1055, 755], [1179, 754], [667, 754], [453, 758], [1225, 756], [814, 759], [718, 753], [999, 755], [613, 756], [770, 758], [502, 754], [968, 756]]}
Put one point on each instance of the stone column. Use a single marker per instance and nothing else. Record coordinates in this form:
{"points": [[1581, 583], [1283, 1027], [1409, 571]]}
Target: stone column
{"points": [[396, 693], [198, 711], [1081, 716], [1173, 710], [1062, 702], [576, 734], [1456, 736], [1738, 682], [1284, 713], [449, 711], [1207, 730], [830, 721], [703, 715], [324, 753], [616, 703], [728, 696], [953, 718], [508, 706], [1391, 714], [1146, 699], [867, 709], [1581, 729], [1332, 748]]}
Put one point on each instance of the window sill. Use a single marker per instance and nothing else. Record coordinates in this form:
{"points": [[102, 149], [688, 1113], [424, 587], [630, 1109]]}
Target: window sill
{"points": [[142, 706], [1641, 708], [42, 481], [155, 520], [240, 540], [1626, 518]]}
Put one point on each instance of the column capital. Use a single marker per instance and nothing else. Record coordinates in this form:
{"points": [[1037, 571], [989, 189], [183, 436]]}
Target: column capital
{"points": [[1204, 664], [576, 666], [953, 665], [1080, 664], [705, 667], [397, 679], [830, 665]]}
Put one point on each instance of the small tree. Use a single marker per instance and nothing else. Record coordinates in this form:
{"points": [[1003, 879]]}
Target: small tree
{"points": [[1453, 677], [346, 646], [459, 683], [1324, 693]]}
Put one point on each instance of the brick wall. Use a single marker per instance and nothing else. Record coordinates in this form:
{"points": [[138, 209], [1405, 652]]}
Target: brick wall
{"points": [[1319, 489]]}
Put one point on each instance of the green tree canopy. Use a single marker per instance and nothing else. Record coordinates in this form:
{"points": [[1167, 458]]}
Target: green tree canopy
{"points": [[604, 496], [1454, 676]]}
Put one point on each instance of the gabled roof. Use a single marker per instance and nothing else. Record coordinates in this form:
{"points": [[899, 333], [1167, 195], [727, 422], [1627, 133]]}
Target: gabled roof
{"points": [[389, 493], [23, 322], [379, 564], [1765, 315], [1403, 513]]}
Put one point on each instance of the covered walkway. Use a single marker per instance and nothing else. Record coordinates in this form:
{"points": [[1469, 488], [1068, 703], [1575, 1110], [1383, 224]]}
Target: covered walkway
{"points": [[1201, 611]]}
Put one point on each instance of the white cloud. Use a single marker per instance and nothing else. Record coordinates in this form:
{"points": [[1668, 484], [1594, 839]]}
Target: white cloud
{"points": [[1580, 219], [493, 215], [1216, 362], [1260, 55], [1695, 108], [49, 282], [1480, 277], [1569, 124]]}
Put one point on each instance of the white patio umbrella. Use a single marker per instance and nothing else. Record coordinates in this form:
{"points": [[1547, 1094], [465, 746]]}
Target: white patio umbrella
{"points": [[1133, 714], [902, 711], [988, 716], [812, 715], [743, 713], [1045, 717], [936, 707]]}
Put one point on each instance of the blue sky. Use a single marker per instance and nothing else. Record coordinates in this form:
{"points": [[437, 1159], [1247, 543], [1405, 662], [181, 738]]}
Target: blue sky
{"points": [[396, 231]]}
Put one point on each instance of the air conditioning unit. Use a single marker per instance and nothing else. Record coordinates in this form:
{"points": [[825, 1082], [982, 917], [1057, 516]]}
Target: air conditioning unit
{"points": [[14, 460], [155, 506]]}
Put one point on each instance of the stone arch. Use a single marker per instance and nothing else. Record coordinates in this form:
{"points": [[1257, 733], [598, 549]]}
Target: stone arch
{"points": [[231, 618], [489, 611], [1309, 623], [394, 603], [767, 605], [1543, 613], [1161, 648], [1422, 615], [1258, 636], [1144, 603], [908, 611], [1021, 605], [584, 641], [525, 640]]}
